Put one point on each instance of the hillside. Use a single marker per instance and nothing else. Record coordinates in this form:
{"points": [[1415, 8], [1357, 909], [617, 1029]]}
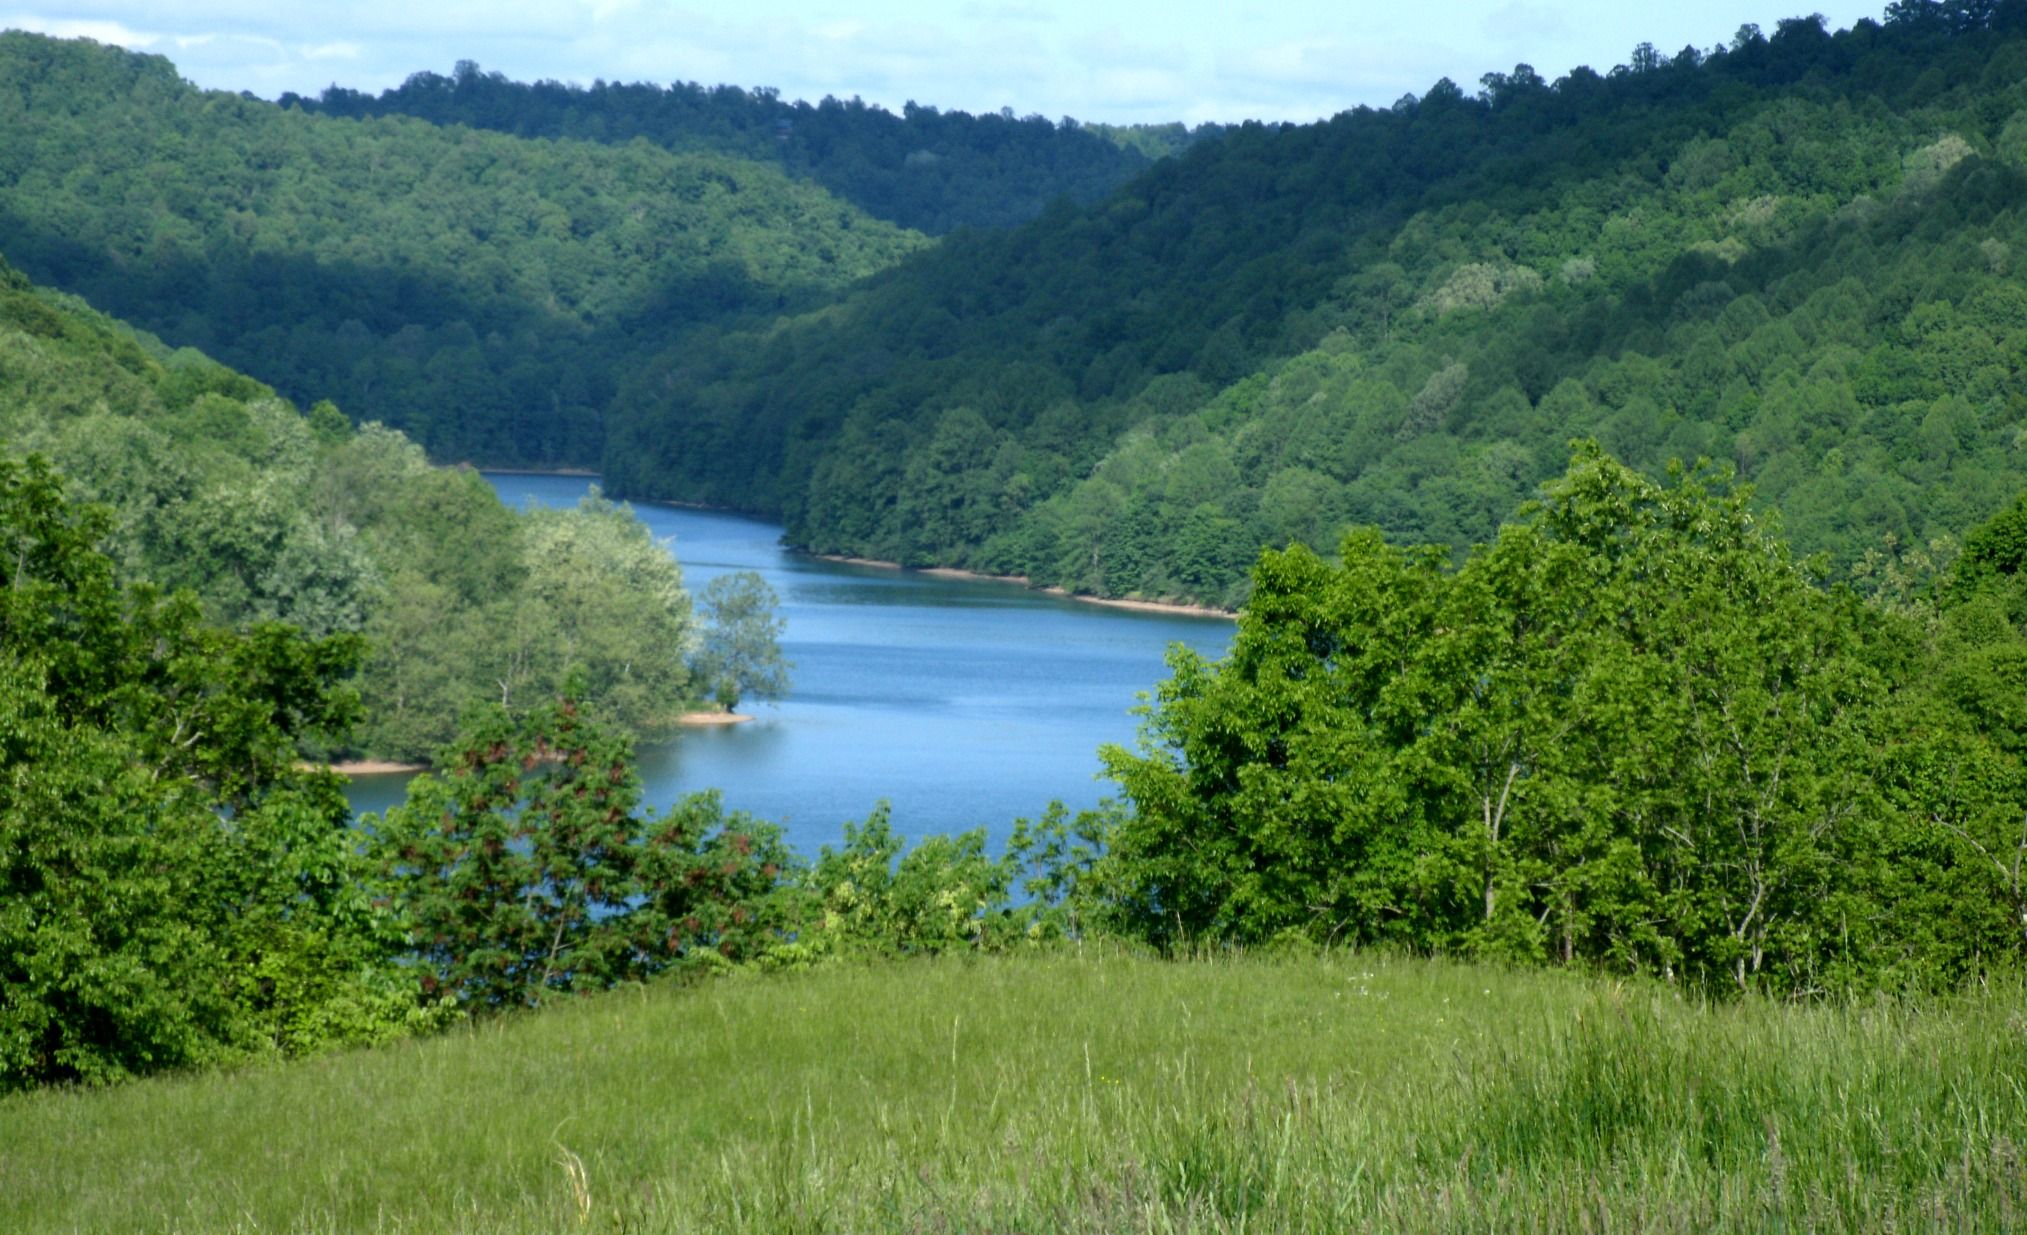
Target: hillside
{"points": [[1795, 254], [1078, 1093], [929, 170], [475, 290], [217, 485]]}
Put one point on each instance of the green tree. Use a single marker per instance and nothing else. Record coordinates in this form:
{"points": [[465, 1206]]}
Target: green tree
{"points": [[604, 600], [522, 870], [876, 893], [1630, 731], [740, 652], [215, 485], [174, 889]]}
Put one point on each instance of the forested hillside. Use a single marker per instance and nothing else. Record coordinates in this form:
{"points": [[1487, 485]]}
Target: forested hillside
{"points": [[475, 290], [215, 484], [1798, 254], [925, 169]]}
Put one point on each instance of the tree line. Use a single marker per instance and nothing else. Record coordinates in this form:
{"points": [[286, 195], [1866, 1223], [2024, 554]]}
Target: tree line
{"points": [[179, 887], [1630, 731], [1793, 253], [925, 169]]}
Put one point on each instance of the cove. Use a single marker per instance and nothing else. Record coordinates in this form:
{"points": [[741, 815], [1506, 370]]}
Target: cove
{"points": [[961, 702]]}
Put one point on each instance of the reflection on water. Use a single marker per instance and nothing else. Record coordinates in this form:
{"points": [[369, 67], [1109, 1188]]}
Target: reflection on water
{"points": [[961, 703]]}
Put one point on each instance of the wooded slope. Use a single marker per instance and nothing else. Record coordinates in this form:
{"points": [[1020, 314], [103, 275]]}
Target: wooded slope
{"points": [[1796, 254], [217, 485], [474, 289]]}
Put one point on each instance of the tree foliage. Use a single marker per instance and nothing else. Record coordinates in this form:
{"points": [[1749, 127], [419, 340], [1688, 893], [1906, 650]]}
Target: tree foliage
{"points": [[217, 485], [469, 288], [1794, 255], [173, 888], [524, 870], [739, 652], [1631, 732], [925, 169], [875, 894]]}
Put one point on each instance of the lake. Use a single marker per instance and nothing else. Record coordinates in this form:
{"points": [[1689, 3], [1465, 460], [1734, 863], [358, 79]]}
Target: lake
{"points": [[959, 702]]}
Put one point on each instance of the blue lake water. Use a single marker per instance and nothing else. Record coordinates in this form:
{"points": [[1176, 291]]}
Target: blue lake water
{"points": [[961, 703]]}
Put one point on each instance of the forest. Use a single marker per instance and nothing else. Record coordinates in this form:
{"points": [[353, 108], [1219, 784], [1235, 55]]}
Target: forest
{"points": [[217, 486], [1793, 254], [477, 260], [1632, 735], [475, 291], [1780, 273]]}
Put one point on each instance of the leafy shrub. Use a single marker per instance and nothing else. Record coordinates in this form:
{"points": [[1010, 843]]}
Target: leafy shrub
{"points": [[522, 869], [174, 890]]}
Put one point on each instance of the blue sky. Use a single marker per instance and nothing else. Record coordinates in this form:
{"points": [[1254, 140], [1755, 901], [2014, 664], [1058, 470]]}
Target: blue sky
{"points": [[1111, 60]]}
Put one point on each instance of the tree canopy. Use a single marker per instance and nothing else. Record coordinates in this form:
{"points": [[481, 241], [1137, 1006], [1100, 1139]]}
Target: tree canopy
{"points": [[215, 484], [1794, 254], [925, 169], [472, 289], [174, 889], [739, 654], [1631, 731]]}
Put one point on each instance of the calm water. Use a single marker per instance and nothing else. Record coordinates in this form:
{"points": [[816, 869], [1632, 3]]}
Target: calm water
{"points": [[961, 703]]}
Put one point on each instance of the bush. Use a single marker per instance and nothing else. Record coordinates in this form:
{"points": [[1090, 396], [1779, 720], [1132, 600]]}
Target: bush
{"points": [[522, 870]]}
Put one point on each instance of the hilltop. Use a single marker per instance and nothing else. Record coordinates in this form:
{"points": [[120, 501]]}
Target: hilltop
{"points": [[926, 169], [216, 484]]}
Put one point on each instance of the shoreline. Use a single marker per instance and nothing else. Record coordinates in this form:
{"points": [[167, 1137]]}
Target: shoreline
{"points": [[1171, 607], [579, 473], [365, 767], [393, 767]]}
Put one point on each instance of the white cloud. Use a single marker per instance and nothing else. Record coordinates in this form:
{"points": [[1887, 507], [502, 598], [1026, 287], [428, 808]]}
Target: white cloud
{"points": [[117, 33], [1325, 75]]}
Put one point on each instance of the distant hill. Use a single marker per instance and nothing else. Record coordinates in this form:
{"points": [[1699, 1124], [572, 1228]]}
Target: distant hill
{"points": [[477, 290], [265, 513], [1800, 254], [929, 170]]}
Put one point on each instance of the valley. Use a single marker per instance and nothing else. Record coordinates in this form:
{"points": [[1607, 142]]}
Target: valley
{"points": [[605, 654]]}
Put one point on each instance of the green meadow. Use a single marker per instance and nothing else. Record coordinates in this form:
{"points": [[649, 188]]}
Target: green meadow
{"points": [[1095, 1091]]}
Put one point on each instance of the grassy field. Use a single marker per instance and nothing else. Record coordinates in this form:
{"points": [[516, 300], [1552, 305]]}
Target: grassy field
{"points": [[1095, 1093]]}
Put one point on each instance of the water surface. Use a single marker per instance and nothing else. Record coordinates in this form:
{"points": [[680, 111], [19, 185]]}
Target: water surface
{"points": [[961, 703]]}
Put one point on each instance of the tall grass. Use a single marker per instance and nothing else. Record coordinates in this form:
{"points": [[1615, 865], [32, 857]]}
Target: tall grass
{"points": [[1081, 1093]]}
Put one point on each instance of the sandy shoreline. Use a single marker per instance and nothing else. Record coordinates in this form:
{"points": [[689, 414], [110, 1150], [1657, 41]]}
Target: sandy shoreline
{"points": [[582, 473], [951, 572], [941, 572], [1149, 606], [389, 767], [365, 767]]}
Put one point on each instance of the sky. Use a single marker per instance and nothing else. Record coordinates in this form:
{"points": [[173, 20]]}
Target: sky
{"points": [[1103, 60]]}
